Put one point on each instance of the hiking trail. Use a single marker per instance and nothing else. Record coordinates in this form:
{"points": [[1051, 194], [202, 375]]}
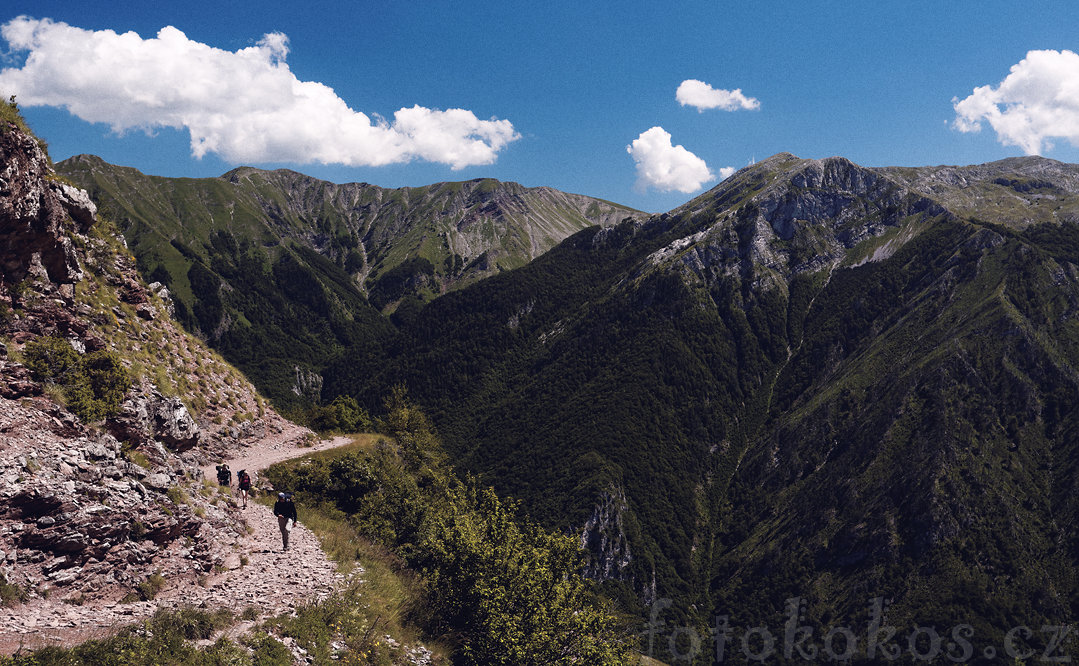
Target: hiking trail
{"points": [[255, 572]]}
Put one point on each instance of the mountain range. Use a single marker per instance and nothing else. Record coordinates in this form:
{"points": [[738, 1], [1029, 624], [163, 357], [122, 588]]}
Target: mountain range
{"points": [[279, 269], [817, 380]]}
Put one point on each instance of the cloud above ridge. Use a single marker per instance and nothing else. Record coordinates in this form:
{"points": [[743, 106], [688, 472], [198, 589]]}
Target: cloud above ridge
{"points": [[666, 167], [692, 92], [1037, 101], [245, 106]]}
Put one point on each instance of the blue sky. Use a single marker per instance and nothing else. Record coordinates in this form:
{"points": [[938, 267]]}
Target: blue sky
{"points": [[553, 93]]}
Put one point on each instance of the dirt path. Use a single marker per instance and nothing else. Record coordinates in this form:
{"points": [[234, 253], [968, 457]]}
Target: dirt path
{"points": [[273, 449], [255, 572]]}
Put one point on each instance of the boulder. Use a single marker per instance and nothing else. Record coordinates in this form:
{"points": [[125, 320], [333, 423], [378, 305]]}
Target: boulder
{"points": [[76, 202], [145, 311], [145, 417], [159, 481]]}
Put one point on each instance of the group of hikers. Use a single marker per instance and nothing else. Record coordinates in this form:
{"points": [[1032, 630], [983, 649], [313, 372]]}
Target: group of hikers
{"points": [[284, 508]]}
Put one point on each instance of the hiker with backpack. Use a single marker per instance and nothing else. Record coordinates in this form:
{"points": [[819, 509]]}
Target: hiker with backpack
{"points": [[224, 475], [285, 511], [245, 485]]}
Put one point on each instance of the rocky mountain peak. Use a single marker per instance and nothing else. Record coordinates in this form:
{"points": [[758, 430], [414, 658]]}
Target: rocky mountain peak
{"points": [[786, 215], [36, 208], [1016, 192]]}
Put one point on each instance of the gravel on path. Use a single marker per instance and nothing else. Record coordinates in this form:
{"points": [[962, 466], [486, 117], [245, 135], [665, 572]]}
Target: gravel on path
{"points": [[256, 572]]}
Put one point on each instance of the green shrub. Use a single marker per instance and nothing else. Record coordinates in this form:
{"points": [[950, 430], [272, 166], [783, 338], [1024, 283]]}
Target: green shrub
{"points": [[163, 639], [506, 590], [200, 625], [177, 495], [53, 360], [108, 379], [512, 589], [11, 594], [93, 385], [344, 414], [149, 588], [268, 651]]}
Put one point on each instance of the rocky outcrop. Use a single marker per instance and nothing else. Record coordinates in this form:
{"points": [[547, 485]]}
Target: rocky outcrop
{"points": [[73, 512], [785, 216], [147, 415], [1018, 191], [89, 513], [16, 382], [604, 539], [35, 208], [308, 384]]}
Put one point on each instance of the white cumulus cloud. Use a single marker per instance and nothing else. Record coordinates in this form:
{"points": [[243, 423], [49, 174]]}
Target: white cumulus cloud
{"points": [[1038, 101], [692, 92], [666, 167], [726, 172], [245, 105]]}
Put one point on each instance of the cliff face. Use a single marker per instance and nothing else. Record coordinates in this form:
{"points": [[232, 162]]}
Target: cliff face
{"points": [[35, 210]]}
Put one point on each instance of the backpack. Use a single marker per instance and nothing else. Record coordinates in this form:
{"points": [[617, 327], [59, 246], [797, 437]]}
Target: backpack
{"points": [[245, 480]]}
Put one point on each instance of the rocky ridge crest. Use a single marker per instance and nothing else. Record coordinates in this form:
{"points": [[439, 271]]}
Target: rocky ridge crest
{"points": [[785, 216]]}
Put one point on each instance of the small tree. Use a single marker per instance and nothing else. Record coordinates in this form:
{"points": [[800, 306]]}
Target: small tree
{"points": [[108, 381], [53, 360], [513, 590], [405, 422]]}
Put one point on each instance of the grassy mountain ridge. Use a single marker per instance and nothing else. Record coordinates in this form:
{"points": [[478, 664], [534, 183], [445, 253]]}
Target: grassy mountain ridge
{"points": [[281, 271], [451, 225]]}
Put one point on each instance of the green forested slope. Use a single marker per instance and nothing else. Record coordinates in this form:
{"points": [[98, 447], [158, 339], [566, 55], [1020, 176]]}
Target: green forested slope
{"points": [[814, 381]]}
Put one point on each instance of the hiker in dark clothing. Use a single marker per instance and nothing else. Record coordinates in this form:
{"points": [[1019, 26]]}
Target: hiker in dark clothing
{"points": [[285, 511], [224, 475], [245, 485]]}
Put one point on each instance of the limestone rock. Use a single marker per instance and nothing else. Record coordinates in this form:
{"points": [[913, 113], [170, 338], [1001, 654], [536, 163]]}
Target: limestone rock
{"points": [[76, 202], [32, 238], [158, 481], [16, 382], [308, 384], [147, 416], [604, 538]]}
